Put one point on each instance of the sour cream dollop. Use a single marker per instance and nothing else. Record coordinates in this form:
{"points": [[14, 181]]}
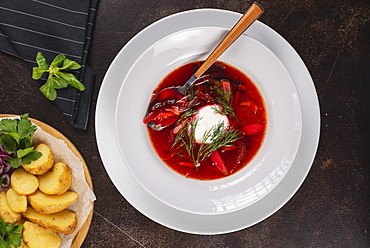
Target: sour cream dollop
{"points": [[209, 117]]}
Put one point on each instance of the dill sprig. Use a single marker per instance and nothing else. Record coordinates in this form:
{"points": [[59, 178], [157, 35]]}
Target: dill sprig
{"points": [[188, 113], [218, 136], [224, 100]]}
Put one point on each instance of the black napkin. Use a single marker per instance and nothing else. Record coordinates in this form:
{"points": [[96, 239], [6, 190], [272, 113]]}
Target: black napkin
{"points": [[53, 27]]}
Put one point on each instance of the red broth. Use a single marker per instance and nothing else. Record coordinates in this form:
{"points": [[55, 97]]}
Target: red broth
{"points": [[249, 120]]}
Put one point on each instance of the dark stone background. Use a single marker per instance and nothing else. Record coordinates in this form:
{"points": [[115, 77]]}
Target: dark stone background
{"points": [[331, 209]]}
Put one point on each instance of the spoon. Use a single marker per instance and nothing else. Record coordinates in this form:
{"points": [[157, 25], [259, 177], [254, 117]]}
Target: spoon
{"points": [[252, 14]]}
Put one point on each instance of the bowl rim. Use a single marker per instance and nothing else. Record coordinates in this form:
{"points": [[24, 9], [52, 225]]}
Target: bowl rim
{"points": [[178, 176]]}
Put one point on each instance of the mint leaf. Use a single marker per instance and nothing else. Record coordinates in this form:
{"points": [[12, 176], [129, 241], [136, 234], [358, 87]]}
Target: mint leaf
{"points": [[49, 91], [72, 80], [58, 59], [37, 72], [56, 78], [70, 64], [41, 61], [58, 83]]}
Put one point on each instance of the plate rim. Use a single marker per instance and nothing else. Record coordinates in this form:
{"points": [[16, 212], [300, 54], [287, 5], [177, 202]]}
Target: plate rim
{"points": [[241, 194], [103, 113]]}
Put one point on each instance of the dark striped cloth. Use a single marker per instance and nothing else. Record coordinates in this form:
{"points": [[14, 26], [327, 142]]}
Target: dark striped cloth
{"points": [[53, 27]]}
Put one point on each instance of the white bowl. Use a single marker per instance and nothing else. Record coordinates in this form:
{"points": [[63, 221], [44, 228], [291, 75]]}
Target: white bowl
{"points": [[251, 183]]}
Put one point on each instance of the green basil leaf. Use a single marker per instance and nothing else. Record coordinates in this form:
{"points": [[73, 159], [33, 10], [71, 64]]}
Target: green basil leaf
{"points": [[2, 226], [14, 162], [37, 72], [48, 91], [8, 142], [4, 244], [12, 235], [41, 61], [23, 152], [25, 142], [31, 156], [24, 117], [58, 59], [25, 129], [15, 239], [8, 125], [72, 80], [70, 64]]}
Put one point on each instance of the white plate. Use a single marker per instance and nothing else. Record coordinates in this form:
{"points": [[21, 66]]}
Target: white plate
{"points": [[140, 198], [254, 181]]}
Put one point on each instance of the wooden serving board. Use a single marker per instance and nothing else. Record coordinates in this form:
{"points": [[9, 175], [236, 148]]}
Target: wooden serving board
{"points": [[80, 237]]}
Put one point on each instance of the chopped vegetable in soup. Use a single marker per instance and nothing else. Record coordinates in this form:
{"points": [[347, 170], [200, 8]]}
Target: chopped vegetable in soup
{"points": [[215, 130]]}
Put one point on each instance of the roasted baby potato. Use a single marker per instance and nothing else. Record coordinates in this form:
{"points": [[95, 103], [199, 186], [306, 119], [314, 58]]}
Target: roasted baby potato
{"points": [[64, 221], [43, 164], [57, 181], [8, 215], [16, 202], [23, 182], [50, 204], [36, 236]]}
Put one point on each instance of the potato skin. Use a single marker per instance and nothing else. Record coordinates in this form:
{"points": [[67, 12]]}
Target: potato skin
{"points": [[50, 204], [43, 164], [16, 202], [36, 236], [64, 221], [23, 182], [56, 181], [8, 215]]}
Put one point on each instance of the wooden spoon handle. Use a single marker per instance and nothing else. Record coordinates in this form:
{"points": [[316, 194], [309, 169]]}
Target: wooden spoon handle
{"points": [[247, 19]]}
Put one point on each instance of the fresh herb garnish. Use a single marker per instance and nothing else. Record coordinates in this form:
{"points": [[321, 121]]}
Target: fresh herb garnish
{"points": [[224, 99], [10, 235], [16, 137], [219, 136], [56, 79]]}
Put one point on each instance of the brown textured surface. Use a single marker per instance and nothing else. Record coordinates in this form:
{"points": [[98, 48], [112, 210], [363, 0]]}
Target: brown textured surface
{"points": [[331, 209]]}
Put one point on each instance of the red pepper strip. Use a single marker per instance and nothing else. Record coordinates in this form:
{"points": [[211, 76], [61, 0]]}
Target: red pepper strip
{"points": [[163, 114], [218, 162], [150, 117], [236, 98], [228, 148], [226, 87], [170, 113], [242, 87], [187, 164], [251, 129], [242, 150], [166, 121]]}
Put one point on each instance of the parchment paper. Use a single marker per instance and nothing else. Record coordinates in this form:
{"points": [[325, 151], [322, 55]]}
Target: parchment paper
{"points": [[62, 153]]}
